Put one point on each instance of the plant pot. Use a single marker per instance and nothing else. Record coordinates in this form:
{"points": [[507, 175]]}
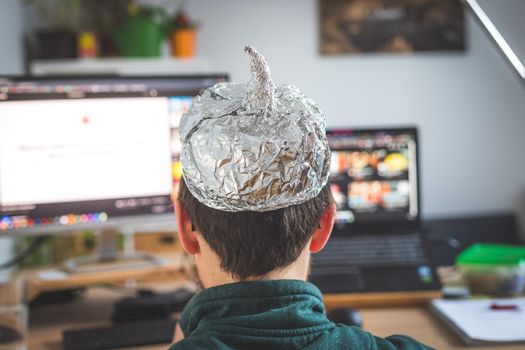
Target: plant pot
{"points": [[87, 45], [56, 43], [139, 37], [183, 43]]}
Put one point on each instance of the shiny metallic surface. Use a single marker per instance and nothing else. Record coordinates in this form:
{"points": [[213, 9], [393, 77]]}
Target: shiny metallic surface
{"points": [[254, 147]]}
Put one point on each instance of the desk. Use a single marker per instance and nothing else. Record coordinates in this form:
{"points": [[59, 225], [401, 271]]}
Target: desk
{"points": [[47, 322]]}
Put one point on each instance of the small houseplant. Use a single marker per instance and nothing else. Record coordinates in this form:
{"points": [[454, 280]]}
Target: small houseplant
{"points": [[105, 18], [183, 34], [58, 22]]}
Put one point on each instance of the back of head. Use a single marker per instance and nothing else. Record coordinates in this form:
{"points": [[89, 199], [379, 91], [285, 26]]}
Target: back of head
{"points": [[255, 170], [253, 243]]}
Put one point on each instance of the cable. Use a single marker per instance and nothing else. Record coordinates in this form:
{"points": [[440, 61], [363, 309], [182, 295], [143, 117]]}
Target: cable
{"points": [[26, 253]]}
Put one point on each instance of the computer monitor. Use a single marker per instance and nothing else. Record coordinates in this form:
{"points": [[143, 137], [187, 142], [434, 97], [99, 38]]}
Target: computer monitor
{"points": [[374, 177], [87, 152]]}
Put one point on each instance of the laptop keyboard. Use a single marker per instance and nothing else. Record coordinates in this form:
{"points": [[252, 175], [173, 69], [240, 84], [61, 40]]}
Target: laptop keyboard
{"points": [[372, 250]]}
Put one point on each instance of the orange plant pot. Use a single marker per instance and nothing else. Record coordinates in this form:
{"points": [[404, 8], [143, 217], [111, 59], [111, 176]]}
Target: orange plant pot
{"points": [[183, 43]]}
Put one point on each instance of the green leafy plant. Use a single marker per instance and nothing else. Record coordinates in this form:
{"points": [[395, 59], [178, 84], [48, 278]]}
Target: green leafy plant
{"points": [[59, 14], [181, 20], [106, 15]]}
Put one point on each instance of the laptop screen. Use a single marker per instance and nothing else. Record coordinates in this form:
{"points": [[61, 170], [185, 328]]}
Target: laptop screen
{"points": [[374, 176]]}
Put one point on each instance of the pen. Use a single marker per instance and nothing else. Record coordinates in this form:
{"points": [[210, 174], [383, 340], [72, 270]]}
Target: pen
{"points": [[501, 307]]}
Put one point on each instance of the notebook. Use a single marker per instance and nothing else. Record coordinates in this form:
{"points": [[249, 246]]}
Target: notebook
{"points": [[476, 323]]}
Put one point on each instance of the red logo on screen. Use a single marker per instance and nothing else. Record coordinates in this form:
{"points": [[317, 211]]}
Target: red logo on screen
{"points": [[85, 120]]}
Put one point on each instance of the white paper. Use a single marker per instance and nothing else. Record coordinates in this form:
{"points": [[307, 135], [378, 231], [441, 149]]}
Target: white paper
{"points": [[478, 321]]}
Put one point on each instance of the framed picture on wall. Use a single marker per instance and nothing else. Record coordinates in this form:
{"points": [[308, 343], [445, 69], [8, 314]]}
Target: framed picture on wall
{"points": [[365, 26]]}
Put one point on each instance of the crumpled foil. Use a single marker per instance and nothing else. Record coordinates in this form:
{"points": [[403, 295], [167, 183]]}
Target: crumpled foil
{"points": [[254, 147]]}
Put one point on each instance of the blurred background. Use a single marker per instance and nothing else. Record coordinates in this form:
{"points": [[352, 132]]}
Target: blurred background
{"points": [[468, 103], [427, 64], [466, 100]]}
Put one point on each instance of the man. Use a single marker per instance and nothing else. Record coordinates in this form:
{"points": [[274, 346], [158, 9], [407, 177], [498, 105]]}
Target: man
{"points": [[251, 208]]}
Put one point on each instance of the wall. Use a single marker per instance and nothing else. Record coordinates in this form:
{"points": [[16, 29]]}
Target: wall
{"points": [[11, 58], [470, 107]]}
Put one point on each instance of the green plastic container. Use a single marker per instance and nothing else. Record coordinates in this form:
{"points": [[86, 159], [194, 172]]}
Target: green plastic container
{"points": [[493, 269]]}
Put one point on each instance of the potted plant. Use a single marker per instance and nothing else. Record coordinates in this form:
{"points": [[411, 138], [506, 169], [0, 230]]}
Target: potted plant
{"points": [[58, 23], [183, 34], [105, 18], [143, 31]]}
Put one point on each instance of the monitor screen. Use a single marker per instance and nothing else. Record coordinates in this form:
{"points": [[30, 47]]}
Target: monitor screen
{"points": [[78, 152], [374, 176]]}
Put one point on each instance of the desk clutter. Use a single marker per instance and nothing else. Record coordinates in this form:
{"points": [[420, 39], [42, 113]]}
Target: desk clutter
{"points": [[121, 335], [143, 319], [488, 271], [13, 314], [148, 305], [493, 269]]}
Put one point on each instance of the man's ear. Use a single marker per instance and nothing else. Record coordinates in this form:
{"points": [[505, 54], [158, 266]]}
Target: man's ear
{"points": [[187, 236], [322, 233]]}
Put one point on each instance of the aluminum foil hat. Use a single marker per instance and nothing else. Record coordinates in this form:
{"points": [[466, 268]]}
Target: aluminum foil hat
{"points": [[254, 146]]}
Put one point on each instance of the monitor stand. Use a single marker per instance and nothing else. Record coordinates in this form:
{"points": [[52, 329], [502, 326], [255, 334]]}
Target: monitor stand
{"points": [[108, 258]]}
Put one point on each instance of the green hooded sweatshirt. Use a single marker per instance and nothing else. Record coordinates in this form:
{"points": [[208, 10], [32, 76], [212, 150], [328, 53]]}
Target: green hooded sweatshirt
{"points": [[283, 314]]}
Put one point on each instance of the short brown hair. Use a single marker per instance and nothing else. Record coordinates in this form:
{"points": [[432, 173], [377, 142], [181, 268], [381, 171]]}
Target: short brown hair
{"points": [[253, 243]]}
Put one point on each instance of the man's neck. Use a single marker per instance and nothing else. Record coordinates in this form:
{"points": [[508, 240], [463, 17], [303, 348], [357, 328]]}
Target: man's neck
{"points": [[211, 275]]}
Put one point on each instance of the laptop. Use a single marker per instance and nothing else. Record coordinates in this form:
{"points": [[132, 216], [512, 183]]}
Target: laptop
{"points": [[378, 243]]}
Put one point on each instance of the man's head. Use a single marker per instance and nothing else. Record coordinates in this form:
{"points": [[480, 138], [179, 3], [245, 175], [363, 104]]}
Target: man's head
{"points": [[254, 146], [250, 244], [254, 198]]}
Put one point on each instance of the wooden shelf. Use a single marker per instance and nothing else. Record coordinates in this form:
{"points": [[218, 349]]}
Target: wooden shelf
{"points": [[173, 269]]}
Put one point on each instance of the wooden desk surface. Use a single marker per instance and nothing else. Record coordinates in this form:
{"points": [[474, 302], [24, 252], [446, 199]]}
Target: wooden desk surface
{"points": [[48, 322]]}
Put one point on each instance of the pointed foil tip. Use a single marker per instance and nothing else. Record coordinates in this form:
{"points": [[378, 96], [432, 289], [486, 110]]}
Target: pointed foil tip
{"points": [[261, 89]]}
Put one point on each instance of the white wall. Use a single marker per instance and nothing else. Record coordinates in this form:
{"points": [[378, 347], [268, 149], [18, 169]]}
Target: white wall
{"points": [[470, 107], [11, 59]]}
